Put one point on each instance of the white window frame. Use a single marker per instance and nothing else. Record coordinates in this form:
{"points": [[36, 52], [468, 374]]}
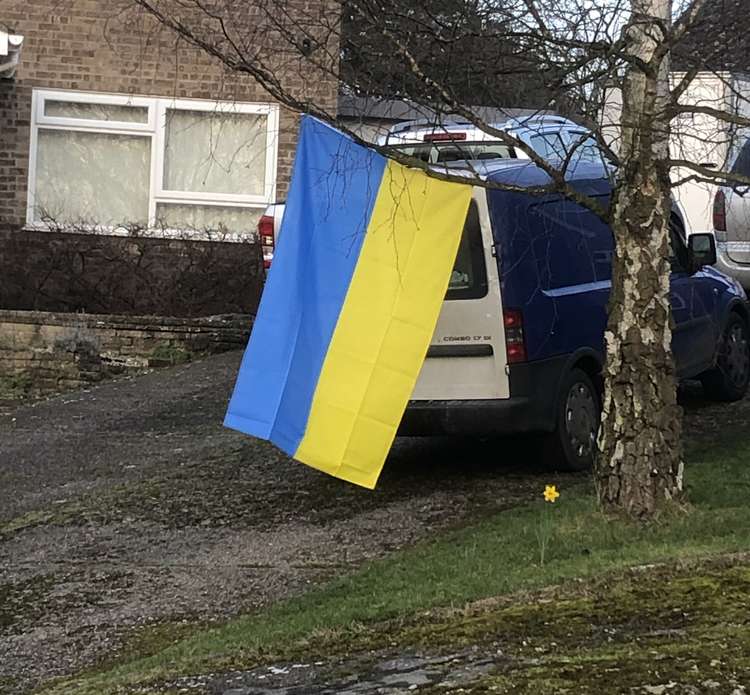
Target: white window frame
{"points": [[155, 129]]}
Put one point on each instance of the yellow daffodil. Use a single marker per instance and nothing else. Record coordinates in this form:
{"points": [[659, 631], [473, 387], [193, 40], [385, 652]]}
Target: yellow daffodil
{"points": [[550, 493]]}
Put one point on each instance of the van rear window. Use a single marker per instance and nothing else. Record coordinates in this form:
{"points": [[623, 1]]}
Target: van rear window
{"points": [[469, 276], [434, 153]]}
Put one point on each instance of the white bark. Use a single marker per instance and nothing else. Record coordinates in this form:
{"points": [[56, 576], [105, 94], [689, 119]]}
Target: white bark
{"points": [[639, 466]]}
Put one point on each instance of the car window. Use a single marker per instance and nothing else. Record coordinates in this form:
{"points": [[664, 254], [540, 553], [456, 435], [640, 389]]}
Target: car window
{"points": [[469, 276], [451, 154], [419, 152], [481, 150], [433, 153], [679, 256], [548, 146], [742, 165], [586, 151]]}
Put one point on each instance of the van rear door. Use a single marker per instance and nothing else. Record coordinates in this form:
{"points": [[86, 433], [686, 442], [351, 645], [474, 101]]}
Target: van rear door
{"points": [[467, 359], [738, 212]]}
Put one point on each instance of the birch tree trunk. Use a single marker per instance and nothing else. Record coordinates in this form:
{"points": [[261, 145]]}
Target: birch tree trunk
{"points": [[639, 467]]}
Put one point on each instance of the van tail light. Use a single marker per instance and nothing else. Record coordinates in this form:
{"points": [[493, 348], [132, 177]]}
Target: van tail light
{"points": [[267, 240], [515, 345], [720, 215]]}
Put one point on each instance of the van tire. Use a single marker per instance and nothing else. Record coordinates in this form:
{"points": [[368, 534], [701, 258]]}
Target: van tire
{"points": [[729, 379], [572, 446]]}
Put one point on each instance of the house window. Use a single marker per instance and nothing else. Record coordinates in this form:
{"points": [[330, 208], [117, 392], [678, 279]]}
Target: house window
{"points": [[111, 162]]}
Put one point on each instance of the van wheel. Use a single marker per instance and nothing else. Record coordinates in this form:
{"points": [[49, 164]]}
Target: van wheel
{"points": [[572, 446], [728, 381]]}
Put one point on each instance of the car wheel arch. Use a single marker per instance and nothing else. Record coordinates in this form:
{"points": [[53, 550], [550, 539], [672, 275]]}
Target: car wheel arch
{"points": [[589, 361], [739, 307]]}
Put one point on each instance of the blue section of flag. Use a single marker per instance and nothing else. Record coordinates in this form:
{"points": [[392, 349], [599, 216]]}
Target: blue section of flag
{"points": [[331, 197]]}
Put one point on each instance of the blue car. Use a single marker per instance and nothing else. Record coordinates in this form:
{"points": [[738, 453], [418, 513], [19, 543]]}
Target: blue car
{"points": [[519, 345]]}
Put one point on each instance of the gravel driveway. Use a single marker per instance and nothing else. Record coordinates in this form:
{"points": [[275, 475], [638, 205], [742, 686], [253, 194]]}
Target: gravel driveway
{"points": [[129, 504]]}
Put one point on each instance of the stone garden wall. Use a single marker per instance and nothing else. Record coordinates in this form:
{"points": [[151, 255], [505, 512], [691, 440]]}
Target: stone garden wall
{"points": [[42, 352]]}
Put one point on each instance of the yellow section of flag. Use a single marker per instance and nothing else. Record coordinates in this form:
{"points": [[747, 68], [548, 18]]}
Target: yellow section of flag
{"points": [[385, 325]]}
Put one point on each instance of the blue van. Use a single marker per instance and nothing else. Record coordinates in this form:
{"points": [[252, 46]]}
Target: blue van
{"points": [[519, 345]]}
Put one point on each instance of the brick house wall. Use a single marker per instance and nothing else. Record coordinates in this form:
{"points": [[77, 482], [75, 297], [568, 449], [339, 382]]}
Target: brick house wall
{"points": [[86, 46]]}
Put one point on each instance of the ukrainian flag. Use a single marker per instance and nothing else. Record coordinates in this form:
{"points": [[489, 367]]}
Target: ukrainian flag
{"points": [[351, 301]]}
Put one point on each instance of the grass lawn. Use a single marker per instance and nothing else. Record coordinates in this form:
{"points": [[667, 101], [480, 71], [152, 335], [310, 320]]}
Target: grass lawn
{"points": [[498, 557]]}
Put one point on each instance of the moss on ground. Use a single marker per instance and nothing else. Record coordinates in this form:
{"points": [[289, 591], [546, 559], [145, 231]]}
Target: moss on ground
{"points": [[15, 387], [149, 639], [62, 514], [171, 355], [682, 623], [590, 619], [25, 521], [636, 602], [704, 657], [686, 624], [23, 602], [648, 629], [7, 684]]}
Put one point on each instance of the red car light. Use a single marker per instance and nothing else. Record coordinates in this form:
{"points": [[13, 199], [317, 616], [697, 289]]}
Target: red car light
{"points": [[267, 239], [720, 212], [515, 344]]}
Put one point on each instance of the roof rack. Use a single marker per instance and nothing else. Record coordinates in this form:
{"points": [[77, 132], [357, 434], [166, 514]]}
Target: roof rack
{"points": [[510, 123], [418, 123], [527, 122]]}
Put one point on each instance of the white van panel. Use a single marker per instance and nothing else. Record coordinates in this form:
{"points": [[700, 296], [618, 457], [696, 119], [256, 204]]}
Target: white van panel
{"points": [[469, 323]]}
